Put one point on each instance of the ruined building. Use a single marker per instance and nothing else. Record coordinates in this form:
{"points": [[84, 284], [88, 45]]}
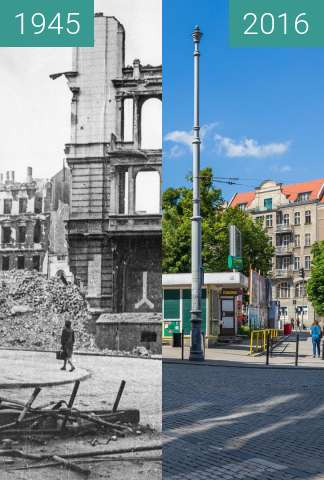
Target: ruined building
{"points": [[114, 230], [32, 215], [24, 222]]}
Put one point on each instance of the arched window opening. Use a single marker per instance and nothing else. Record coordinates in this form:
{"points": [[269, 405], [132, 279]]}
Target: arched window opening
{"points": [[147, 192], [151, 124]]}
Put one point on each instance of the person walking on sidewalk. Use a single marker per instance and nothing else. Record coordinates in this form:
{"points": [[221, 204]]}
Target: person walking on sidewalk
{"points": [[315, 332], [67, 342]]}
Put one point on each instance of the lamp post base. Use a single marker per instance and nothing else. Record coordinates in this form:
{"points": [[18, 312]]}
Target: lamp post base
{"points": [[196, 351]]}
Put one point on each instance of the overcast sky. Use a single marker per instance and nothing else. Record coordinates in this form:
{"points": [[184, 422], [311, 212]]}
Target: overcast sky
{"points": [[35, 110]]}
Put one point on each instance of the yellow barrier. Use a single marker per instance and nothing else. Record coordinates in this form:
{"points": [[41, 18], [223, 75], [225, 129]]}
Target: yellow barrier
{"points": [[258, 339]]}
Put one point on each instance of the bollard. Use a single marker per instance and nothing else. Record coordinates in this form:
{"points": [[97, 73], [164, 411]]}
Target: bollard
{"points": [[182, 345], [271, 346], [297, 350], [204, 346], [268, 348]]}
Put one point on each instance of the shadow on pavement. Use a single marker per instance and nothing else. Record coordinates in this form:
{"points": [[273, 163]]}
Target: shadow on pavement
{"points": [[262, 423]]}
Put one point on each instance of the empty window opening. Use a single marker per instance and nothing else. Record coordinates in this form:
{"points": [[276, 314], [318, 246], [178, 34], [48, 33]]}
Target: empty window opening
{"points": [[37, 232], [147, 193], [6, 235], [38, 204], [151, 124], [21, 235], [36, 262], [22, 205], [20, 262], [148, 336], [128, 120], [7, 206], [5, 263]]}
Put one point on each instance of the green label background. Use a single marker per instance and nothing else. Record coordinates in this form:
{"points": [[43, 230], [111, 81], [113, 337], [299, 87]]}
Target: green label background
{"points": [[314, 10], [10, 26]]}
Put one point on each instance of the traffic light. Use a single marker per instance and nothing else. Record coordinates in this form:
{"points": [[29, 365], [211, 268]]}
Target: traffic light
{"points": [[302, 272]]}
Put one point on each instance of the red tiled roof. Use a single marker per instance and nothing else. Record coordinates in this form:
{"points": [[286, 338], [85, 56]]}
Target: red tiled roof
{"points": [[291, 191]]}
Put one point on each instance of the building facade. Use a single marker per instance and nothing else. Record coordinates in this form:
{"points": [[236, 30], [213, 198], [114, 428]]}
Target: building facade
{"points": [[114, 227], [293, 217], [24, 222], [32, 215]]}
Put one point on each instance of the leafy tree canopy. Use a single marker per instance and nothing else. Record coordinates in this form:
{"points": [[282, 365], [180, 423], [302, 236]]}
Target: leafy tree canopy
{"points": [[177, 213], [315, 285]]}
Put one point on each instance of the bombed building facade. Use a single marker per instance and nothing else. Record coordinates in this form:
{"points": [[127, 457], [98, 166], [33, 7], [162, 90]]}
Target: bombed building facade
{"points": [[114, 228], [24, 221]]}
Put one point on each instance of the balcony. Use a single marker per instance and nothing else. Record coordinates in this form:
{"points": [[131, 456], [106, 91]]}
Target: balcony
{"points": [[283, 273], [283, 228], [285, 249]]}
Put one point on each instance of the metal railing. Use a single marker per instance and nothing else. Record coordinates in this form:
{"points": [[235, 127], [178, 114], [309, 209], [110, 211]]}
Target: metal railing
{"points": [[258, 339]]}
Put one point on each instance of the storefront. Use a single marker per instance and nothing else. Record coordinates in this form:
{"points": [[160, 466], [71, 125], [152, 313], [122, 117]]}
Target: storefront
{"points": [[221, 304]]}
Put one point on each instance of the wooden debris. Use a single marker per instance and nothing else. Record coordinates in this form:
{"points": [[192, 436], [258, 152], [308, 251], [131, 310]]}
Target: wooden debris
{"points": [[70, 465], [29, 404], [119, 395]]}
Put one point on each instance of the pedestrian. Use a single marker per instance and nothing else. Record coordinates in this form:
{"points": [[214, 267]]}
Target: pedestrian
{"points": [[298, 325], [67, 342], [315, 332], [292, 323]]}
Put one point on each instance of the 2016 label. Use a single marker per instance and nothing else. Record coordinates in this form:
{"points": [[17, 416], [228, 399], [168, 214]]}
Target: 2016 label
{"points": [[267, 23]]}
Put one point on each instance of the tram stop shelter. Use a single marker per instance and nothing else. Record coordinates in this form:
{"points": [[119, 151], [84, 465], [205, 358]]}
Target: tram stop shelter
{"points": [[222, 301]]}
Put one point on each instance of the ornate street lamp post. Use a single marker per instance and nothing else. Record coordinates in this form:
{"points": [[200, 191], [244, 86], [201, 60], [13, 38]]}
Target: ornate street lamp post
{"points": [[196, 352]]}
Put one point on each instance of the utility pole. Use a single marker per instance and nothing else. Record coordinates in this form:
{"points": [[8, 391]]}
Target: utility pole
{"points": [[196, 351]]}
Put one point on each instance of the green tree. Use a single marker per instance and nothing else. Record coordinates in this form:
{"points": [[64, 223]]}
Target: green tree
{"points": [[315, 285], [177, 212]]}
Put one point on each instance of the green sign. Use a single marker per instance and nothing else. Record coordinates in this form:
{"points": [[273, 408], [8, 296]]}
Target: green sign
{"points": [[47, 23], [235, 263], [276, 23]]}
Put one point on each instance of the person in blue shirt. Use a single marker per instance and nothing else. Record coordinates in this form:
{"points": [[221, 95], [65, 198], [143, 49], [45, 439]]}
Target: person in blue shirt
{"points": [[316, 332]]}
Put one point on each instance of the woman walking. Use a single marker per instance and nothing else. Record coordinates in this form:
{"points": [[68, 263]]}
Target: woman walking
{"points": [[67, 342], [315, 332]]}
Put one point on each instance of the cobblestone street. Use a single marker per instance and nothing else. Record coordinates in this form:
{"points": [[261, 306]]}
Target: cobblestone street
{"points": [[242, 423]]}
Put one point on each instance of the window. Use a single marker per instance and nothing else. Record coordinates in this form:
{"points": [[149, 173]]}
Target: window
{"points": [[297, 218], [300, 290], [5, 263], [269, 221], [285, 240], [303, 197], [242, 206], [307, 239], [36, 262], [279, 218], [21, 234], [267, 203], [308, 217], [22, 205], [283, 290], [307, 262], [20, 262], [7, 206], [283, 263], [270, 240], [286, 219], [296, 263], [297, 240], [38, 205], [6, 235], [283, 312], [37, 232]]}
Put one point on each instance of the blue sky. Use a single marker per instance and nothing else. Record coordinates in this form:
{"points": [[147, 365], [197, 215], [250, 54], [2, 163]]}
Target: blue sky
{"points": [[262, 110]]}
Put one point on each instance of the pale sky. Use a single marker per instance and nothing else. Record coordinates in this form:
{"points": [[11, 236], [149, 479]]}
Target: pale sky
{"points": [[35, 110]]}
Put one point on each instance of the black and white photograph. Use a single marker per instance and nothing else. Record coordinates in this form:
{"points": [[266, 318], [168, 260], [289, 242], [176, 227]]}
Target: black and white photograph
{"points": [[80, 252]]}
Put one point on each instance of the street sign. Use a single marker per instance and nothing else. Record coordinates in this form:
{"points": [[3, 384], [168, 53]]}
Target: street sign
{"points": [[235, 238], [235, 263]]}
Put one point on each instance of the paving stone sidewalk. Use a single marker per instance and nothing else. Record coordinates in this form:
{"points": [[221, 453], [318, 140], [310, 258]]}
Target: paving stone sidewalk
{"points": [[225, 423]]}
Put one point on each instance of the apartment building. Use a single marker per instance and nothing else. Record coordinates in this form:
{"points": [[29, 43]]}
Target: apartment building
{"points": [[293, 217]]}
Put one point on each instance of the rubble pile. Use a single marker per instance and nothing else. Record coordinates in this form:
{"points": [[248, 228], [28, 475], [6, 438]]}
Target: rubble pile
{"points": [[33, 310]]}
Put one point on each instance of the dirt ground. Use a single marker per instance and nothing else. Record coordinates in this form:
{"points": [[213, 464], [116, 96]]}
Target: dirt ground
{"points": [[143, 392]]}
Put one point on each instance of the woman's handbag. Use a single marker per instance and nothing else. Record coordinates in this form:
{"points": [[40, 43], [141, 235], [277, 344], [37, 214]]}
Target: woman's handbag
{"points": [[60, 355]]}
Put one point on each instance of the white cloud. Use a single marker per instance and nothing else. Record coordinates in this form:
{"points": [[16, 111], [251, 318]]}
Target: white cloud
{"points": [[176, 151], [248, 147], [282, 168], [183, 137]]}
